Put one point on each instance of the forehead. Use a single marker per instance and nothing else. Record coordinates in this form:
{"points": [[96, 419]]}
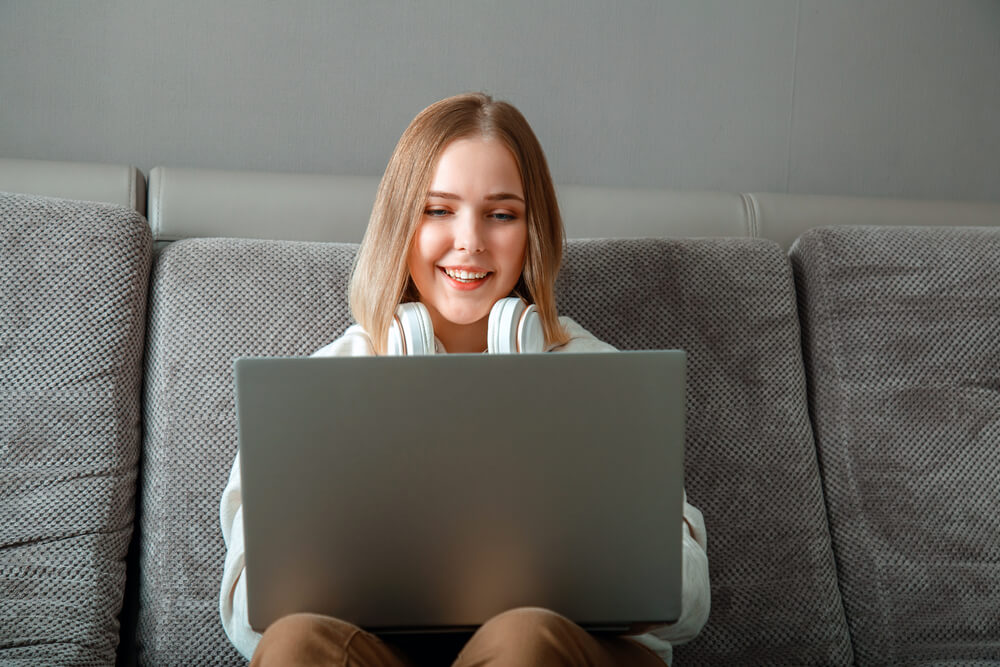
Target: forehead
{"points": [[478, 164]]}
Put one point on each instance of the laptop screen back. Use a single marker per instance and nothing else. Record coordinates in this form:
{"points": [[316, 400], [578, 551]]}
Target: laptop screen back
{"points": [[407, 493]]}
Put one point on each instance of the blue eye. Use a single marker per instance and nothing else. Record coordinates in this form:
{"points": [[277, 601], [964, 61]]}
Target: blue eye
{"points": [[435, 212], [504, 217]]}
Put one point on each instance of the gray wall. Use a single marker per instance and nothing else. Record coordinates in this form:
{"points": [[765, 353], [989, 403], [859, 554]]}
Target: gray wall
{"points": [[876, 97]]}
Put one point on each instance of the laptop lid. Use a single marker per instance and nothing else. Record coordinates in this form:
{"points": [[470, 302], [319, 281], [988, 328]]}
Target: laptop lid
{"points": [[408, 493]]}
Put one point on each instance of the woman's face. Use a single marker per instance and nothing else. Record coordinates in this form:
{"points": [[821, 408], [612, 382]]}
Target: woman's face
{"points": [[469, 247]]}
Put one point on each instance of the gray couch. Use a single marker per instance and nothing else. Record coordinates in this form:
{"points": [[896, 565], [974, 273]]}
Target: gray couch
{"points": [[843, 432]]}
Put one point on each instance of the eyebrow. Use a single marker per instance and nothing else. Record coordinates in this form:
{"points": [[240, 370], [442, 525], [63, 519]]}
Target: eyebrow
{"points": [[499, 196]]}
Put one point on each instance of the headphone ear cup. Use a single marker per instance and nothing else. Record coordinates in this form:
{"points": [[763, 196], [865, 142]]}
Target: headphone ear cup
{"points": [[396, 344], [501, 336], [411, 332], [493, 338], [514, 327], [530, 335]]}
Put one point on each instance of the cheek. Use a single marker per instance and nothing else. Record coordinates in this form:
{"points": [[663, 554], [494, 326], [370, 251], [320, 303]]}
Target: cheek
{"points": [[421, 255], [516, 247]]}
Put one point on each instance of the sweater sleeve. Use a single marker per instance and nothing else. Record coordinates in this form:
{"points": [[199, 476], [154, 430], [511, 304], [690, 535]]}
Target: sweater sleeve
{"points": [[695, 590], [233, 590], [580, 340]]}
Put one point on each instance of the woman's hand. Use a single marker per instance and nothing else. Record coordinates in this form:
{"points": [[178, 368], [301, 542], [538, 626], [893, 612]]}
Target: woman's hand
{"points": [[643, 628]]}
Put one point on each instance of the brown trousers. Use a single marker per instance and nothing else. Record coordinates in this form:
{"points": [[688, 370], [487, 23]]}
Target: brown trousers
{"points": [[526, 636]]}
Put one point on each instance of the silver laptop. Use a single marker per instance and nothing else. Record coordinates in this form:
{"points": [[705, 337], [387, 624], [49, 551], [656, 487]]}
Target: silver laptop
{"points": [[432, 493]]}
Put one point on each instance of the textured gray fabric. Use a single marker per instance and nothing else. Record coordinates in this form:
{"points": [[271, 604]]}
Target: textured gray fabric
{"points": [[902, 337], [213, 300], [750, 461], [73, 279], [729, 303]]}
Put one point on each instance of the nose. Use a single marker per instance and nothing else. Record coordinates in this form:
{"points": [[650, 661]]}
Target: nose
{"points": [[468, 232]]}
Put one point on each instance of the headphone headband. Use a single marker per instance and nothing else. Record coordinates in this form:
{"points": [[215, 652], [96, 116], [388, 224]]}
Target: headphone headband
{"points": [[514, 327]]}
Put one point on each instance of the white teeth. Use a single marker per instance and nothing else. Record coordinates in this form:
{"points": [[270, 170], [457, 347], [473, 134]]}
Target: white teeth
{"points": [[465, 275]]}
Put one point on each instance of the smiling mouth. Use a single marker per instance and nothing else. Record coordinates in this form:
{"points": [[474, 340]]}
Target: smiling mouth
{"points": [[466, 277]]}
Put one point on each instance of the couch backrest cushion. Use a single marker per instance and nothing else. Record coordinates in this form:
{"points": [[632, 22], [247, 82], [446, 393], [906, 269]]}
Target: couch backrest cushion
{"points": [[110, 183], [750, 460], [783, 217], [211, 301], [198, 203], [73, 279], [902, 339], [729, 303]]}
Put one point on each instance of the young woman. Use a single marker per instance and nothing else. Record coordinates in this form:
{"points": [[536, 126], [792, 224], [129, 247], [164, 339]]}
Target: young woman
{"points": [[465, 224]]}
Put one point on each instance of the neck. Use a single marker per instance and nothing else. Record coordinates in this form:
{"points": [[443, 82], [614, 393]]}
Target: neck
{"points": [[462, 338]]}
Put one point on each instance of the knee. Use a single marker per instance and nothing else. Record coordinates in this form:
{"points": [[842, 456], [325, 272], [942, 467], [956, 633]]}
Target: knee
{"points": [[526, 635], [302, 638], [525, 622]]}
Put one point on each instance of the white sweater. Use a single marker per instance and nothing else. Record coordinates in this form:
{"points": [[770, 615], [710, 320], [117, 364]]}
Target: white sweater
{"points": [[356, 343]]}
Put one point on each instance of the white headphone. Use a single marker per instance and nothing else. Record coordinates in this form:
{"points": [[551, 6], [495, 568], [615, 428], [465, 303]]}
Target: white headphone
{"points": [[514, 326]]}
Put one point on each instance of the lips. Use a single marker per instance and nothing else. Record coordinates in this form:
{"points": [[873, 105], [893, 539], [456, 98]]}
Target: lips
{"points": [[465, 277], [464, 274]]}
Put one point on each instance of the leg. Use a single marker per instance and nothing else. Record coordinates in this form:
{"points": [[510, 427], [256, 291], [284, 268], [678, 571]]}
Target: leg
{"points": [[533, 636], [313, 639]]}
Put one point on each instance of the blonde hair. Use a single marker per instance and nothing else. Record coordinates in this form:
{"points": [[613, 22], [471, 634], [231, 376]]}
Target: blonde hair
{"points": [[381, 279]]}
